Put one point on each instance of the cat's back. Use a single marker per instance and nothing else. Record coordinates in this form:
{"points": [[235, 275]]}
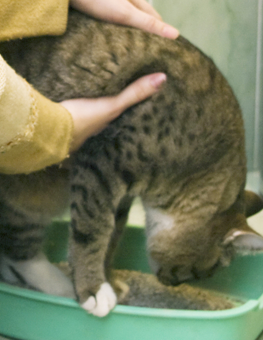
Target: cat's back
{"points": [[190, 123], [194, 114]]}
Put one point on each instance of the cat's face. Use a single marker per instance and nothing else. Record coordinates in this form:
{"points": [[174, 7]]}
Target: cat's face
{"points": [[197, 254]]}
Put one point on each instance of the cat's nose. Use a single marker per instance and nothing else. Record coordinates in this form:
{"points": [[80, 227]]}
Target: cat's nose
{"points": [[166, 278], [174, 276], [181, 273], [205, 273]]}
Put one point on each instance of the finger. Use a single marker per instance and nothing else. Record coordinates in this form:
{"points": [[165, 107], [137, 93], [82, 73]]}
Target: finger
{"points": [[146, 7], [144, 21], [137, 92]]}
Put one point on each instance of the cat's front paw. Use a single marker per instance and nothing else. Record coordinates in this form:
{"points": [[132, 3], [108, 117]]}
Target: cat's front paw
{"points": [[103, 302]]}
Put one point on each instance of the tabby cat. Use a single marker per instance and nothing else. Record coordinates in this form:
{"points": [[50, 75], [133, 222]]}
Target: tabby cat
{"points": [[134, 288], [181, 151]]}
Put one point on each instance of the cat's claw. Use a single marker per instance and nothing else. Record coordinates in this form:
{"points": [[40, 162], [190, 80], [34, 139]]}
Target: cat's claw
{"points": [[104, 301]]}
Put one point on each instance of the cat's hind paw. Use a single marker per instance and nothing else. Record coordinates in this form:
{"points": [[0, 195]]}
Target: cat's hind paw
{"points": [[103, 302], [36, 273]]}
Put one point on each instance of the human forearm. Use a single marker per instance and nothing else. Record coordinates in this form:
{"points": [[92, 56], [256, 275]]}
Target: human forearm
{"points": [[35, 132]]}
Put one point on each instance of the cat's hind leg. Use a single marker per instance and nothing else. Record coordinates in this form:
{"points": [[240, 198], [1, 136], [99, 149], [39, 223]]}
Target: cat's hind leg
{"points": [[22, 262], [36, 273]]}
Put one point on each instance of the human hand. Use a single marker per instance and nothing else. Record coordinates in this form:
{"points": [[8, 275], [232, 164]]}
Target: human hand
{"points": [[136, 13], [90, 116]]}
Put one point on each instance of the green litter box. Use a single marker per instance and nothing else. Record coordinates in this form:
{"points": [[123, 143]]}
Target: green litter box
{"points": [[29, 315]]}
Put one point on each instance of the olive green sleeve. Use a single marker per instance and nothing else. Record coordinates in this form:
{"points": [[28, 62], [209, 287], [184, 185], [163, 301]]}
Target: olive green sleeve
{"points": [[27, 18], [34, 131]]}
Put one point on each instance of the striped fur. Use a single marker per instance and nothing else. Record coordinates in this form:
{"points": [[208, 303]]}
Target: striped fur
{"points": [[182, 151]]}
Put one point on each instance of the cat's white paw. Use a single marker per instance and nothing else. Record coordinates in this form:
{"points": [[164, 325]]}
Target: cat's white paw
{"points": [[37, 273], [104, 301]]}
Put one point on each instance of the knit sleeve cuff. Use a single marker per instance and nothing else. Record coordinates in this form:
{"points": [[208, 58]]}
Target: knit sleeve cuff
{"points": [[15, 102], [35, 132]]}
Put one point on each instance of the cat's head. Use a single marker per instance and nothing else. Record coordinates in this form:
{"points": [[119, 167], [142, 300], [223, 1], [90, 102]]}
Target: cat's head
{"points": [[196, 254]]}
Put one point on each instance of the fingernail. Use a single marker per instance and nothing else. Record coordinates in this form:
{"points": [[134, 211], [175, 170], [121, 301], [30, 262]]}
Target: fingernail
{"points": [[158, 79], [170, 32]]}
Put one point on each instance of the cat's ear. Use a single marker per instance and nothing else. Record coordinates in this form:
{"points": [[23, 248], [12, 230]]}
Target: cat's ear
{"points": [[253, 203], [244, 241]]}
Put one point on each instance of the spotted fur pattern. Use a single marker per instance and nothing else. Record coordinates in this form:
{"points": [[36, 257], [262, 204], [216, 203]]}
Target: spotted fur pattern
{"points": [[181, 151]]}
